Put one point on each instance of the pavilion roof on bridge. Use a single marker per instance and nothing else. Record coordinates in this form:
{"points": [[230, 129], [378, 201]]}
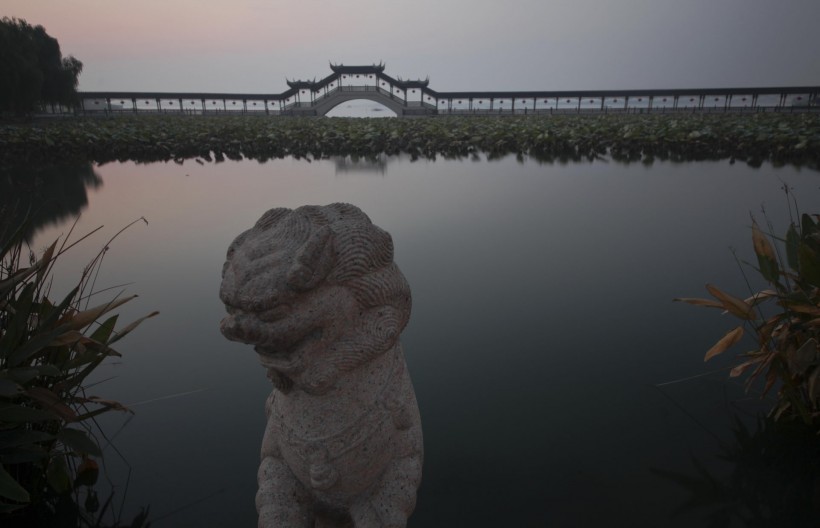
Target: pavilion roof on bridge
{"points": [[303, 84], [411, 83], [341, 68]]}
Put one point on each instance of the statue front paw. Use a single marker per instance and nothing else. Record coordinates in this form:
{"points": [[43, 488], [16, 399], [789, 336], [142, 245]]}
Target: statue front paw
{"points": [[281, 499]]}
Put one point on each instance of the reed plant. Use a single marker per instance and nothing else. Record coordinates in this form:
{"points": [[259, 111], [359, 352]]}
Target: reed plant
{"points": [[783, 319], [49, 438]]}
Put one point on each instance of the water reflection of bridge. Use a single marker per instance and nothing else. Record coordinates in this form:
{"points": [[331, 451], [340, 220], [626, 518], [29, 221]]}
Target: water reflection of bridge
{"points": [[416, 98], [361, 165]]}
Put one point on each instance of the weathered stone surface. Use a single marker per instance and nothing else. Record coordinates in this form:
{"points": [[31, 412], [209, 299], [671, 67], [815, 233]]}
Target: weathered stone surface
{"points": [[315, 289]]}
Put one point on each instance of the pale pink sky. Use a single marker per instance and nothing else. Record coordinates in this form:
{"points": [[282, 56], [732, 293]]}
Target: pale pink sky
{"points": [[253, 45]]}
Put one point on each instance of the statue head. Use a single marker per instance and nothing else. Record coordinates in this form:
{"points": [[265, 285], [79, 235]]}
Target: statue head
{"points": [[316, 291]]}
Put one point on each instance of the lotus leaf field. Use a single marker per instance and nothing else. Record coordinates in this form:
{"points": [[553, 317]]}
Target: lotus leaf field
{"points": [[779, 138]]}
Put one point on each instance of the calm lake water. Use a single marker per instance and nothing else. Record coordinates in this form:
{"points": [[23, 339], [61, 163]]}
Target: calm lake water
{"points": [[542, 327]]}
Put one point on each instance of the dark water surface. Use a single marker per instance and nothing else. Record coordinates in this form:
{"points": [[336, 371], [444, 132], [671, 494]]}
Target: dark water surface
{"points": [[542, 323]]}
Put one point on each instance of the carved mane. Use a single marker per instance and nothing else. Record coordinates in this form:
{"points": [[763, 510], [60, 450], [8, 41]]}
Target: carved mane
{"points": [[339, 245]]}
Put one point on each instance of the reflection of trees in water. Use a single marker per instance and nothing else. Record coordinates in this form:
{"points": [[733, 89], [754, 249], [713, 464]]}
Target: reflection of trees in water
{"points": [[47, 195], [774, 480]]}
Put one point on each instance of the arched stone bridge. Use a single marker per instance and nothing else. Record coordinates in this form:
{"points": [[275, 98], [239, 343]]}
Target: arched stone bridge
{"points": [[416, 98]]}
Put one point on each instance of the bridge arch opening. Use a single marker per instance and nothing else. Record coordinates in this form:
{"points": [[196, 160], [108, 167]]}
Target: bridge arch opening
{"points": [[360, 108]]}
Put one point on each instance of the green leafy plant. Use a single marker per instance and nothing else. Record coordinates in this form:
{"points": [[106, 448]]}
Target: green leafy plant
{"points": [[48, 442], [784, 319]]}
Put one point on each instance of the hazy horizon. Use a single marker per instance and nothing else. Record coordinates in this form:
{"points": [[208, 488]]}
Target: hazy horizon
{"points": [[254, 45]]}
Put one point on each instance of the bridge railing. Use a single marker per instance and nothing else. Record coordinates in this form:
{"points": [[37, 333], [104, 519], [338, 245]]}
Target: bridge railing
{"points": [[323, 96], [376, 89], [348, 89], [735, 100], [358, 88]]}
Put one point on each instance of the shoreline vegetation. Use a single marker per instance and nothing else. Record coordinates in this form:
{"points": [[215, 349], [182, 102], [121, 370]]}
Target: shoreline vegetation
{"points": [[51, 445], [778, 138]]}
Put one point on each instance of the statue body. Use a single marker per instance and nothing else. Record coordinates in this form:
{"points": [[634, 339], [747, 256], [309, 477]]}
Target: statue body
{"points": [[316, 291]]}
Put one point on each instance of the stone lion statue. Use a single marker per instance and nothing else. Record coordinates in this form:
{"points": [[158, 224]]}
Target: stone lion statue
{"points": [[315, 289]]}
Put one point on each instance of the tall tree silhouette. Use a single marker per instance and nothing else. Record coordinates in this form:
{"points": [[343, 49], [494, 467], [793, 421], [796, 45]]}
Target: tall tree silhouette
{"points": [[33, 70]]}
